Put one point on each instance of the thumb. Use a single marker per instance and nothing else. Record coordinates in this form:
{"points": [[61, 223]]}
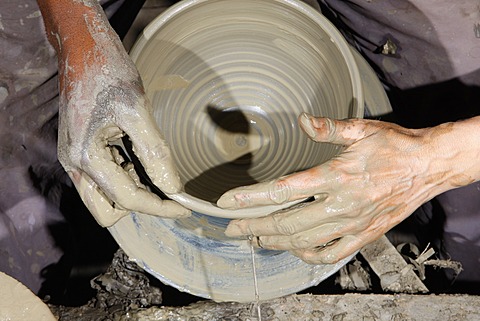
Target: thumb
{"points": [[327, 130]]}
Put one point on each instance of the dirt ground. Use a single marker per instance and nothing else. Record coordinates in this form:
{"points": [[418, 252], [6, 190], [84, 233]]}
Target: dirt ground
{"points": [[354, 307], [126, 292]]}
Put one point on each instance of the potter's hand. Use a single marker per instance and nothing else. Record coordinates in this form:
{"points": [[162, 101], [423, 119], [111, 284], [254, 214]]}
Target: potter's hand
{"points": [[383, 175], [101, 100]]}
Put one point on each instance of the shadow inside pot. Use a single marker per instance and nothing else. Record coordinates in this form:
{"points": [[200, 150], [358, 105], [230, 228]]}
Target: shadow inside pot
{"points": [[230, 174]]}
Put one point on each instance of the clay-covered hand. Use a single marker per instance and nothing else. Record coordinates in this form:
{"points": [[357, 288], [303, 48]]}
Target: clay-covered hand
{"points": [[384, 173], [101, 100]]}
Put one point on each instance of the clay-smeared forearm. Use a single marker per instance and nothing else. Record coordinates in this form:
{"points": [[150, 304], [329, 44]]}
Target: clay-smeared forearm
{"points": [[102, 99], [83, 39]]}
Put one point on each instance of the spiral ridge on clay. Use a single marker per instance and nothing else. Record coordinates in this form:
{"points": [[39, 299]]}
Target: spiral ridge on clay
{"points": [[227, 87]]}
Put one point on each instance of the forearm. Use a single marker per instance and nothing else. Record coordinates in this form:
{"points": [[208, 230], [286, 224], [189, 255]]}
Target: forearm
{"points": [[455, 154], [86, 44]]}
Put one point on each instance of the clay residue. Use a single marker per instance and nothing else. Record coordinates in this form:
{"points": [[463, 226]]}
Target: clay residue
{"points": [[347, 307], [17, 302], [167, 82]]}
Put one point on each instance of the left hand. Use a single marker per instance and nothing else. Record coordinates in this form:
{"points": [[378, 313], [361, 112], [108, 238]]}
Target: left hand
{"points": [[101, 100], [383, 175]]}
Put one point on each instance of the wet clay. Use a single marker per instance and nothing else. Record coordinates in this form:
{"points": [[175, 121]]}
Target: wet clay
{"points": [[226, 88], [228, 85], [228, 104], [17, 302]]}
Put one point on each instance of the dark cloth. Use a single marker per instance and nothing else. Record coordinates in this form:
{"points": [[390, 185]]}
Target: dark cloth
{"points": [[33, 228], [28, 130], [427, 53]]}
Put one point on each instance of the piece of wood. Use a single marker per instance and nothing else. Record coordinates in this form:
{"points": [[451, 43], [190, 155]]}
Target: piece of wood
{"points": [[395, 274]]}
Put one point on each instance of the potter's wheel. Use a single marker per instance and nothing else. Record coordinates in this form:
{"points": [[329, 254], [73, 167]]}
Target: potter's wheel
{"points": [[194, 255]]}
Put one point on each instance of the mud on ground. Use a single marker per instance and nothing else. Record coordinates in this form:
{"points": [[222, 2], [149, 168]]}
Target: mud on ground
{"points": [[124, 292]]}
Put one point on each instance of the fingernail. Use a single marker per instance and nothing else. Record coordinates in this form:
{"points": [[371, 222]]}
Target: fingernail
{"points": [[181, 211], [233, 230], [227, 201], [307, 126], [186, 213], [170, 182]]}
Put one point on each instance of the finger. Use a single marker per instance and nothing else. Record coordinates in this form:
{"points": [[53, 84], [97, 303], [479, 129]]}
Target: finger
{"points": [[333, 253], [327, 130], [291, 221], [127, 166], [289, 188], [117, 156], [130, 169], [105, 213], [119, 187], [97, 204], [313, 238], [154, 153]]}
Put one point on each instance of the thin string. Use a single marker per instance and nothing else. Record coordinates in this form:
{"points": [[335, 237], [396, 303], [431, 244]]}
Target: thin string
{"points": [[255, 281]]}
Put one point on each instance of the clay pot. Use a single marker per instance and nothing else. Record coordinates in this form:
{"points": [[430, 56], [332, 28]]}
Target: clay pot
{"points": [[228, 79]]}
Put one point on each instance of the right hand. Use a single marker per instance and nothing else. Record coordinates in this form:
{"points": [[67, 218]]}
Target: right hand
{"points": [[383, 175]]}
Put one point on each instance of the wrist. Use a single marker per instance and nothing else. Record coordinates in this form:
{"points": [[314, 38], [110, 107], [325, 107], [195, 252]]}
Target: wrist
{"points": [[455, 154]]}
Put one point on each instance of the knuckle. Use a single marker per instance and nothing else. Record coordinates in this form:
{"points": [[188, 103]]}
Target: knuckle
{"points": [[301, 242], [267, 242], [331, 129], [359, 225], [329, 258], [283, 225], [280, 192], [322, 256]]}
